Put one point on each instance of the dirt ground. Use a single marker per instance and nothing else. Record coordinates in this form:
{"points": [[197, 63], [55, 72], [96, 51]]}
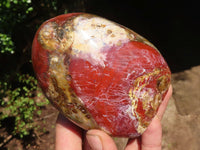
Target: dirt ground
{"points": [[40, 139], [181, 122]]}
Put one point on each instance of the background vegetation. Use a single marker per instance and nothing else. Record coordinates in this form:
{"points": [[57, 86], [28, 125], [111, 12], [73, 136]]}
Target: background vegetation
{"points": [[19, 20]]}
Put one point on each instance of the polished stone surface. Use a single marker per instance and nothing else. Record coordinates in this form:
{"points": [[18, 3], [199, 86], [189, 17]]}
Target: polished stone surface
{"points": [[100, 74]]}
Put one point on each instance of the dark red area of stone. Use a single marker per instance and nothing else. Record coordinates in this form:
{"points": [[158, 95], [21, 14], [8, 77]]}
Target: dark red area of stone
{"points": [[104, 90]]}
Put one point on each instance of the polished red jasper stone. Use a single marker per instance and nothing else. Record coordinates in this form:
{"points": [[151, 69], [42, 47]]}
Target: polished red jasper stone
{"points": [[100, 74]]}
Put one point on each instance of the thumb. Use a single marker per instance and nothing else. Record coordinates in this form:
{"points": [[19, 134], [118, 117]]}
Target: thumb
{"points": [[99, 140]]}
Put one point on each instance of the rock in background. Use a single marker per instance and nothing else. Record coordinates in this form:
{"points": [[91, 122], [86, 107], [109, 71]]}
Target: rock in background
{"points": [[181, 122]]}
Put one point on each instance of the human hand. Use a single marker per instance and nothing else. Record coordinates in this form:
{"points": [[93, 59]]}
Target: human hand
{"points": [[71, 137]]}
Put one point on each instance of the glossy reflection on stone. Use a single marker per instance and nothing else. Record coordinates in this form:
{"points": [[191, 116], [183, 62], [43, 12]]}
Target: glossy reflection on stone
{"points": [[100, 74]]}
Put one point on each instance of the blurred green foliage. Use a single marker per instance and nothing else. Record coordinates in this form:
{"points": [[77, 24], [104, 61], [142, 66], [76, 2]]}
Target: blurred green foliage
{"points": [[12, 12], [19, 20], [6, 44], [18, 102]]}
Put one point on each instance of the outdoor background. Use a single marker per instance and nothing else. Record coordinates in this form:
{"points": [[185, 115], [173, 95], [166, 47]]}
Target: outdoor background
{"points": [[27, 120]]}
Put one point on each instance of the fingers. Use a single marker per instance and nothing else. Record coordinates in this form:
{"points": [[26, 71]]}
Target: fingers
{"points": [[68, 135], [134, 144], [152, 137], [163, 105], [99, 140]]}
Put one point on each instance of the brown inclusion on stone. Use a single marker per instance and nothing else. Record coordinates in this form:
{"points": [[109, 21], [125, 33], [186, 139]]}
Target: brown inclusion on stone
{"points": [[58, 39], [150, 103]]}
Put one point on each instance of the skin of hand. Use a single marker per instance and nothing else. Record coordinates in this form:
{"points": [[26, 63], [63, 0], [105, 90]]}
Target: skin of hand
{"points": [[71, 137]]}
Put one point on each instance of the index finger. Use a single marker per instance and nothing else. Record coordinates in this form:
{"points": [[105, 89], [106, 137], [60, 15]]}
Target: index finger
{"points": [[152, 137], [163, 105], [68, 135]]}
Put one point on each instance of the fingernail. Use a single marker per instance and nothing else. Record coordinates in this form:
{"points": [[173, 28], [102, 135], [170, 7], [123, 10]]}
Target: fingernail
{"points": [[94, 142], [156, 116]]}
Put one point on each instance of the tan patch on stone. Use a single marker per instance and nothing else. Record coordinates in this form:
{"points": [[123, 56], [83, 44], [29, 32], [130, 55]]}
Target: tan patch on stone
{"points": [[63, 97], [150, 102], [56, 38]]}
